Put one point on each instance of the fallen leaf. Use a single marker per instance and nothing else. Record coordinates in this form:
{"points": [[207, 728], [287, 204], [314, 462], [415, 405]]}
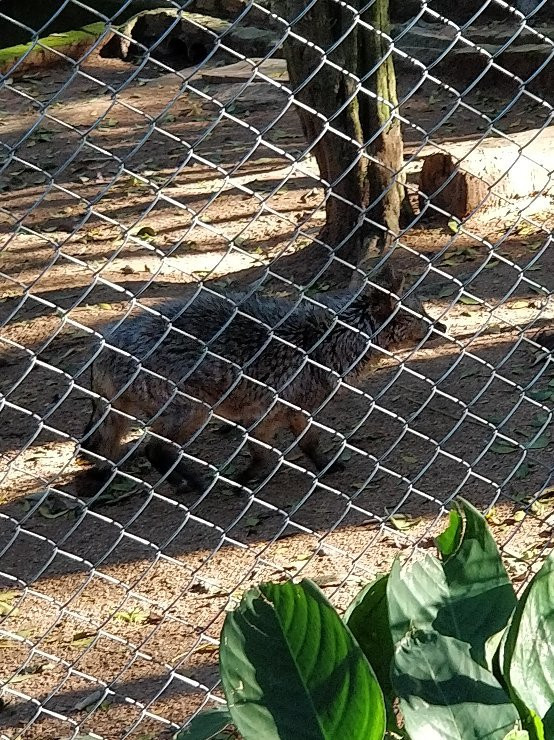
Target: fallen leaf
{"points": [[450, 262], [146, 232], [328, 580], [82, 639], [205, 647], [7, 599], [132, 616], [108, 123], [402, 522], [454, 225], [542, 441], [519, 304], [409, 458], [448, 290], [89, 700], [522, 471], [503, 448], [540, 419], [540, 395]]}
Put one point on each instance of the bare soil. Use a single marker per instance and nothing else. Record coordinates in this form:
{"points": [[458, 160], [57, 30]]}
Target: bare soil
{"points": [[125, 186]]}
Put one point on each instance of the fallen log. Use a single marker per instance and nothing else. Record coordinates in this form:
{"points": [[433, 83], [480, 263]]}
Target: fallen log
{"points": [[50, 51], [464, 176], [185, 39]]}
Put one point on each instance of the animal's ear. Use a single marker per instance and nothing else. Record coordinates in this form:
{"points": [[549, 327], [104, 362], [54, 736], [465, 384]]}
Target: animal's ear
{"points": [[384, 301]]}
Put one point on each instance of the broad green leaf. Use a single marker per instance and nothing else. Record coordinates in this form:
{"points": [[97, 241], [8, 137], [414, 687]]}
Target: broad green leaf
{"points": [[481, 595], [368, 620], [444, 694], [449, 540], [206, 725], [528, 650], [290, 667], [414, 594], [492, 646], [468, 596]]}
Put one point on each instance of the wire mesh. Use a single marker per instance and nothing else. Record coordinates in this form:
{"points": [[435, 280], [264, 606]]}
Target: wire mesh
{"points": [[156, 188]]}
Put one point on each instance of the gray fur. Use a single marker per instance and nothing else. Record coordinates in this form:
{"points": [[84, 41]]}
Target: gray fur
{"points": [[241, 357]]}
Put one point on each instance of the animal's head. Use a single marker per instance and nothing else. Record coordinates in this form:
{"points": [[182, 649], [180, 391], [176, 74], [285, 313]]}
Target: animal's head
{"points": [[399, 320]]}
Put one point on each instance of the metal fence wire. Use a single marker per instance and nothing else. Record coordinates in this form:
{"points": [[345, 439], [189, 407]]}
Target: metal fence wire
{"points": [[163, 263]]}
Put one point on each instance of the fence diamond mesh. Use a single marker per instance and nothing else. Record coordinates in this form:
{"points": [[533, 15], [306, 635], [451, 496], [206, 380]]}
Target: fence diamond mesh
{"points": [[164, 267]]}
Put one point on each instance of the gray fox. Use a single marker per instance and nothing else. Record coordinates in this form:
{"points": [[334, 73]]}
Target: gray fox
{"points": [[265, 363]]}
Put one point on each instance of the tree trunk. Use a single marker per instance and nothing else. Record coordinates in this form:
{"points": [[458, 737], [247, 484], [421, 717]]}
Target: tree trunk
{"points": [[320, 87], [389, 204], [364, 130]]}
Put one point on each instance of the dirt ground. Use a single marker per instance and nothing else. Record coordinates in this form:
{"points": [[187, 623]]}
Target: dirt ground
{"points": [[123, 192]]}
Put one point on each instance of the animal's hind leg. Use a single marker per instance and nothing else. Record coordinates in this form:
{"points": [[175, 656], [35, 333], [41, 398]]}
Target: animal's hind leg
{"points": [[177, 424], [309, 442]]}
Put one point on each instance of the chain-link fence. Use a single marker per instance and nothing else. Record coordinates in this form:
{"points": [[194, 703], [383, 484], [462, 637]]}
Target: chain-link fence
{"points": [[164, 263]]}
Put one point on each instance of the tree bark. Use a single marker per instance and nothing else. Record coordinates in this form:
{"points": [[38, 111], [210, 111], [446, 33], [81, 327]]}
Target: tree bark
{"points": [[389, 204], [364, 129]]}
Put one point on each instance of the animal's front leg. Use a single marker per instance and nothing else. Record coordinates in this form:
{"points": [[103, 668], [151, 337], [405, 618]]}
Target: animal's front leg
{"points": [[262, 459]]}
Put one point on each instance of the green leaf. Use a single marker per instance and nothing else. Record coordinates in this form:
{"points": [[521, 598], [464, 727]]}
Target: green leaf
{"points": [[517, 735], [491, 651], [205, 725], [446, 695], [468, 596], [542, 441], [469, 300], [289, 666], [481, 594], [528, 650], [146, 232], [503, 448], [449, 540], [541, 395], [7, 602], [448, 290], [415, 592], [368, 619], [402, 522], [454, 225], [522, 470]]}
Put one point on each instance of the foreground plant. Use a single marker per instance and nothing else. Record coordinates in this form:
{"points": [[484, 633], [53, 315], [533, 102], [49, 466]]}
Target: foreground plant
{"points": [[443, 641]]}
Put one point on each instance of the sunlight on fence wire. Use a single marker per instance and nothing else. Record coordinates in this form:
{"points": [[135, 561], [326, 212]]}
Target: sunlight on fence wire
{"points": [[165, 268]]}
